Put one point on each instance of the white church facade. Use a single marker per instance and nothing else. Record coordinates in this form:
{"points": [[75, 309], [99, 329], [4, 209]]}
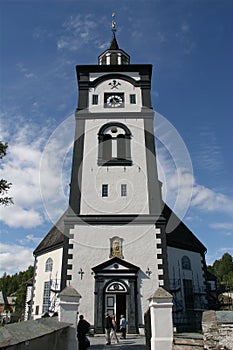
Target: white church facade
{"points": [[111, 245]]}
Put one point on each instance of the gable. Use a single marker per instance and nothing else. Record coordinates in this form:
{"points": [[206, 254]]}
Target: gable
{"points": [[115, 264]]}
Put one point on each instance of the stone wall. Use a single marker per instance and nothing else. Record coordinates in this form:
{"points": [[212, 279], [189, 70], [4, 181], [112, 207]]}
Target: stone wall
{"points": [[217, 329], [35, 335]]}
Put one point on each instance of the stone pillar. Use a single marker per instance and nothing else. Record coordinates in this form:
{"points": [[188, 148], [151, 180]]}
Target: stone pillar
{"points": [[160, 304], [68, 312]]}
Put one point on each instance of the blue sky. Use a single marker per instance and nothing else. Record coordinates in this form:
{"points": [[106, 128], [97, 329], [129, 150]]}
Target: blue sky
{"points": [[190, 46]]}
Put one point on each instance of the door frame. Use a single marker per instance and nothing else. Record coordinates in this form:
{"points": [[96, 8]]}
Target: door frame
{"points": [[113, 271]]}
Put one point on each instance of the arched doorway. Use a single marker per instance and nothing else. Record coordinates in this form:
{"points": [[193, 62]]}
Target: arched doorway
{"points": [[115, 300], [116, 292]]}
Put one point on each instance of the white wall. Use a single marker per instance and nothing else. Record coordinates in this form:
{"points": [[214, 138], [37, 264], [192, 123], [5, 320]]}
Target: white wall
{"points": [[175, 266], [125, 88], [135, 176], [91, 247], [43, 276]]}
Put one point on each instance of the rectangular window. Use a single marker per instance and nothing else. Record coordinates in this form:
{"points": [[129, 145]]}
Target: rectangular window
{"points": [[104, 190], [132, 98], [37, 310], [123, 190], [95, 99], [46, 297]]}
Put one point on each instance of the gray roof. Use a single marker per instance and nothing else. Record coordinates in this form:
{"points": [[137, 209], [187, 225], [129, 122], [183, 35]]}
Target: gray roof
{"points": [[181, 236], [20, 332], [53, 239]]}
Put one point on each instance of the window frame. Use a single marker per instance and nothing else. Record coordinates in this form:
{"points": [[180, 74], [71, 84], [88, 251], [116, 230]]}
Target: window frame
{"points": [[104, 190], [49, 265], [95, 99], [46, 297], [132, 99], [123, 190], [123, 146]]}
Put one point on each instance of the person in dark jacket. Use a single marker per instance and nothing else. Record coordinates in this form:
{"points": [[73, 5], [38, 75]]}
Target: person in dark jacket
{"points": [[82, 330], [108, 327]]}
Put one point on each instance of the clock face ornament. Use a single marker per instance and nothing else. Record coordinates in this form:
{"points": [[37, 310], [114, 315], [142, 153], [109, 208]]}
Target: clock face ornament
{"points": [[114, 101]]}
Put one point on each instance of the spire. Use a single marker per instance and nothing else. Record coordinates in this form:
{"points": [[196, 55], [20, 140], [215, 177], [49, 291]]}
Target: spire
{"points": [[114, 55], [114, 44]]}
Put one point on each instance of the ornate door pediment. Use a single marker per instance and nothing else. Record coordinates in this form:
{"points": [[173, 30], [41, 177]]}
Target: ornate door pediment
{"points": [[116, 266]]}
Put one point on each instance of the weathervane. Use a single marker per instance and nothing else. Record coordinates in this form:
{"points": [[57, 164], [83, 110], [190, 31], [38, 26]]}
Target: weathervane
{"points": [[113, 23]]}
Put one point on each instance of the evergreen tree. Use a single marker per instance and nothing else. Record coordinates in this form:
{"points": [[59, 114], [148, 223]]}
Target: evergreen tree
{"points": [[16, 284], [223, 270]]}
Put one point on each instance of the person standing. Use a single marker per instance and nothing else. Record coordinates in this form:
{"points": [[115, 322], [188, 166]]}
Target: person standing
{"points": [[108, 327], [82, 330], [114, 327], [123, 327]]}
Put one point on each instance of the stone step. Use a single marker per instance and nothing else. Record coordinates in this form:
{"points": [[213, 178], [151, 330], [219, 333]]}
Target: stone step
{"points": [[182, 343]]}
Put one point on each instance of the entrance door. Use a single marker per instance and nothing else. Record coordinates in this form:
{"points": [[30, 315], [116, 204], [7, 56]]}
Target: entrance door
{"points": [[116, 292], [116, 305], [121, 308]]}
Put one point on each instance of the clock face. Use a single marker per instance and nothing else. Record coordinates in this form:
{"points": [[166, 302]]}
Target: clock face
{"points": [[114, 101]]}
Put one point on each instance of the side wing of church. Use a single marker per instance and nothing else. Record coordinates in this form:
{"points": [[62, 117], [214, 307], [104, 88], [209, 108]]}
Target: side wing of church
{"points": [[111, 245]]}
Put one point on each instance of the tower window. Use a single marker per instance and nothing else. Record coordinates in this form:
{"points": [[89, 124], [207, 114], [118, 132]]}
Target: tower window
{"points": [[132, 98], [105, 190], [114, 145], [123, 190], [95, 99]]}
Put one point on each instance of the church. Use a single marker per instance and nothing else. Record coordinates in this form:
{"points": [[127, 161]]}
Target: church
{"points": [[112, 244]]}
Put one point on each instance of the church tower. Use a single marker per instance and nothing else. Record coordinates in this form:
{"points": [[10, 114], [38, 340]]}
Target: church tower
{"points": [[114, 251]]}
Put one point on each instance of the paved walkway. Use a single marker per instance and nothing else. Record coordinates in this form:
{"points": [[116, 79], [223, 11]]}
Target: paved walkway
{"points": [[131, 342]]}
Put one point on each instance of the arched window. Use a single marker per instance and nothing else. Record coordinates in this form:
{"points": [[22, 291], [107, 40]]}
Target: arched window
{"points": [[49, 265], [114, 145], [186, 263]]}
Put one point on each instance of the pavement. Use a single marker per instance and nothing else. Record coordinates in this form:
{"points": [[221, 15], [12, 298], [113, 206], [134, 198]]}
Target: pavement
{"points": [[132, 342]]}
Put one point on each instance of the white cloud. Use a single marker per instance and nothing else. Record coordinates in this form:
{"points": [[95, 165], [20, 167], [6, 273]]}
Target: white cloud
{"points": [[180, 189], [222, 225], [19, 262], [22, 167], [25, 71], [78, 31], [30, 238], [209, 200], [16, 216]]}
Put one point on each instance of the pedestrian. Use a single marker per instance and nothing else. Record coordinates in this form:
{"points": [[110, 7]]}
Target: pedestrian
{"points": [[114, 327], [123, 327], [108, 327], [82, 330]]}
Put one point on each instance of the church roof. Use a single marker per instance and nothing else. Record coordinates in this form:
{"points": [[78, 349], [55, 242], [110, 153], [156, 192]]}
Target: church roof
{"points": [[54, 238], [180, 236]]}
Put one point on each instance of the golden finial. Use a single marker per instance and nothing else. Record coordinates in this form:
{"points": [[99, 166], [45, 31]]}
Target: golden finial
{"points": [[113, 22]]}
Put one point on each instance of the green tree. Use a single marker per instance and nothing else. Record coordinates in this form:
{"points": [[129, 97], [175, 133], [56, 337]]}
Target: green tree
{"points": [[4, 185], [223, 270], [16, 284]]}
